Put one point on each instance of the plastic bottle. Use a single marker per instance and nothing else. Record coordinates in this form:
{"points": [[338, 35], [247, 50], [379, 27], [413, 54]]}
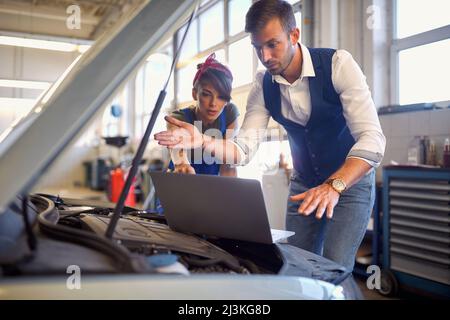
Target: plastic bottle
{"points": [[415, 151], [446, 154]]}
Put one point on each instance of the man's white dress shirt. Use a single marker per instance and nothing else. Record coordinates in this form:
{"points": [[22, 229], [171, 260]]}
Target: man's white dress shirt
{"points": [[350, 84]]}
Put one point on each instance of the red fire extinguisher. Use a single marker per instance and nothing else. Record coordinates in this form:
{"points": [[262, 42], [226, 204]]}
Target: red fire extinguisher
{"points": [[117, 182]]}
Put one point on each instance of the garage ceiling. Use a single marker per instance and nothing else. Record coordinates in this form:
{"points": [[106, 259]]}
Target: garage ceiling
{"points": [[48, 17]]}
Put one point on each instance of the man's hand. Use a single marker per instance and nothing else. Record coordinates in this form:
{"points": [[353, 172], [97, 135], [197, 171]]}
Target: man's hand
{"points": [[184, 168], [320, 198], [183, 135]]}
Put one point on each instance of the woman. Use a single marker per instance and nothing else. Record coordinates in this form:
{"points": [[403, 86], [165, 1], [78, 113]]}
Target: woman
{"points": [[212, 91]]}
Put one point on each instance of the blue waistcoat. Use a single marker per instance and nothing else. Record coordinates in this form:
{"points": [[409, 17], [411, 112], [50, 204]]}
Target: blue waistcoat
{"points": [[321, 147]]}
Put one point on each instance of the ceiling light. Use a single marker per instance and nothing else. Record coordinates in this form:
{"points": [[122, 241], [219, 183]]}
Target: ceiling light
{"points": [[17, 102], [24, 84], [38, 44], [43, 44]]}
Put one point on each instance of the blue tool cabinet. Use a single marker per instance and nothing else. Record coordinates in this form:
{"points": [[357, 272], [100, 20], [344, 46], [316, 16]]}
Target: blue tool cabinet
{"points": [[416, 228]]}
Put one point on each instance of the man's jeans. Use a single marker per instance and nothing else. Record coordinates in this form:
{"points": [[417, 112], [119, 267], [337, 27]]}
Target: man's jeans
{"points": [[337, 239]]}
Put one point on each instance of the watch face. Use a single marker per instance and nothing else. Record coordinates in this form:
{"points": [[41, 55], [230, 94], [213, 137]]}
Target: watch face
{"points": [[339, 185]]}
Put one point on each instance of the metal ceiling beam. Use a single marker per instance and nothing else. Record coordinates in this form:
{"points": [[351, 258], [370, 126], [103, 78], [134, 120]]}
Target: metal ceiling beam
{"points": [[112, 14], [25, 156]]}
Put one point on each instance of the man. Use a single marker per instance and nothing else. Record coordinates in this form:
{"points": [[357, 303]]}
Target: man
{"points": [[321, 98]]}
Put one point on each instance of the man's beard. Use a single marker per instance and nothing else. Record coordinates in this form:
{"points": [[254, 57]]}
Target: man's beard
{"points": [[275, 72], [282, 68]]}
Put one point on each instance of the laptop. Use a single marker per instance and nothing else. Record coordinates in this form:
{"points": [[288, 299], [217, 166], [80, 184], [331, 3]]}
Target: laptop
{"points": [[225, 207]]}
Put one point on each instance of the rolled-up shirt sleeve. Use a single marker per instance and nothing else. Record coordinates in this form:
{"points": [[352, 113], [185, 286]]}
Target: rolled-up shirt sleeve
{"points": [[359, 109], [256, 119]]}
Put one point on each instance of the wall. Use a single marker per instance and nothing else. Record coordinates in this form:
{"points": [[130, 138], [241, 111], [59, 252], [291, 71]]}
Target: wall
{"points": [[18, 63], [43, 65], [31, 64], [401, 128]]}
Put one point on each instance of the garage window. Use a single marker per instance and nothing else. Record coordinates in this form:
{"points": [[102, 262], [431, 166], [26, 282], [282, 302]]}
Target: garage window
{"points": [[228, 40], [420, 51], [150, 79]]}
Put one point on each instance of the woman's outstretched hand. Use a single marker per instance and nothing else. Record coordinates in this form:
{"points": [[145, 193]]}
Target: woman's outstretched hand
{"points": [[180, 135]]}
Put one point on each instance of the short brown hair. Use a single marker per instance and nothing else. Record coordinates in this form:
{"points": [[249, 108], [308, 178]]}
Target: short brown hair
{"points": [[218, 79], [262, 11]]}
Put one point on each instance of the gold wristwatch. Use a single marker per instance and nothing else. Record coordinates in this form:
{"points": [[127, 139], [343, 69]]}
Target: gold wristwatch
{"points": [[337, 184]]}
